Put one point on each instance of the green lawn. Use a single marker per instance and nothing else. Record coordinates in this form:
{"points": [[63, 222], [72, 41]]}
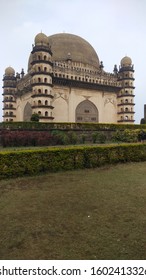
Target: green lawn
{"points": [[84, 214]]}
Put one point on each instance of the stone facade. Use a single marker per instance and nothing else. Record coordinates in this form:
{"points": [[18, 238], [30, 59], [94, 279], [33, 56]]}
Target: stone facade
{"points": [[66, 82]]}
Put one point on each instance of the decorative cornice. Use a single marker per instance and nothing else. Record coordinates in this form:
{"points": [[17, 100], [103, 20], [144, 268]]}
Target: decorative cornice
{"points": [[85, 85]]}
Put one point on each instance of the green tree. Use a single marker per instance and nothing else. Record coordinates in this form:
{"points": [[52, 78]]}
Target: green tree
{"points": [[142, 121], [35, 117]]}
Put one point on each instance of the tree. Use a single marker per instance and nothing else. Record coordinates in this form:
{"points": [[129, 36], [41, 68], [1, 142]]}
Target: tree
{"points": [[142, 121], [35, 117]]}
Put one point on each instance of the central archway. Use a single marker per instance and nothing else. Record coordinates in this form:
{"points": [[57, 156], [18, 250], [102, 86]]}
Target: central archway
{"points": [[86, 111]]}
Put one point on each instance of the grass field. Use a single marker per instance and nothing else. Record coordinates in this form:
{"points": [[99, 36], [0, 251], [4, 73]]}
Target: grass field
{"points": [[84, 214]]}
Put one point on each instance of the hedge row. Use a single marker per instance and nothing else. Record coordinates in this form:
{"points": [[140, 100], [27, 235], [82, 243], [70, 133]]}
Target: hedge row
{"points": [[23, 138], [33, 162], [68, 126], [16, 138]]}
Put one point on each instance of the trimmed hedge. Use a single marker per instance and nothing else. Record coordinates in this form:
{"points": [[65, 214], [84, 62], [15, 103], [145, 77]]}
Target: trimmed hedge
{"points": [[69, 126], [16, 138], [34, 162]]}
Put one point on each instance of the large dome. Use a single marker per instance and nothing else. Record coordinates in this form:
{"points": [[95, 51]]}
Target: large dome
{"points": [[64, 45]]}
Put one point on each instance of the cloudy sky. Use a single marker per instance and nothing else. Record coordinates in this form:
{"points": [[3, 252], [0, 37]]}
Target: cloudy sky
{"points": [[114, 28]]}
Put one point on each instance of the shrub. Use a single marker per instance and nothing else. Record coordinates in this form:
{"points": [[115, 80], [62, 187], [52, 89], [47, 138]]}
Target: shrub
{"points": [[60, 137], [19, 138], [94, 137], [101, 138], [32, 162], [35, 117], [72, 137], [82, 138], [129, 136]]}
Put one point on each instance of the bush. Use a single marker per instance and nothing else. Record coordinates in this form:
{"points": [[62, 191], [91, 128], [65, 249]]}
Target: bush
{"points": [[72, 137], [70, 126], [10, 138], [33, 162], [98, 137], [129, 136], [82, 138], [35, 117], [94, 137], [101, 138], [60, 137]]}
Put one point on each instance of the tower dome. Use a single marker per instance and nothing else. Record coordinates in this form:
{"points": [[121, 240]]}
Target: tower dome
{"points": [[9, 71], [126, 61], [41, 39]]}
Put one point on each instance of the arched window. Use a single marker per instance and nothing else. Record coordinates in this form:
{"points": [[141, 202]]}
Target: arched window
{"points": [[39, 90], [39, 112], [39, 80], [46, 114], [45, 80], [39, 69], [39, 102], [46, 102], [126, 109], [45, 57], [46, 91], [45, 69]]}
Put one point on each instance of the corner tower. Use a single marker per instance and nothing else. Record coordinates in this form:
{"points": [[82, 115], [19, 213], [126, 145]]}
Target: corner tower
{"points": [[41, 72], [126, 95], [9, 95]]}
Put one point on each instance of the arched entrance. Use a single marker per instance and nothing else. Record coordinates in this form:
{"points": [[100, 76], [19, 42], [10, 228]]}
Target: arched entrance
{"points": [[86, 111], [27, 112]]}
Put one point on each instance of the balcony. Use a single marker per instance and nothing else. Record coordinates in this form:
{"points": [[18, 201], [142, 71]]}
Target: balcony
{"points": [[126, 104], [125, 94], [126, 112], [9, 108], [126, 121], [9, 115], [42, 106], [46, 95]]}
